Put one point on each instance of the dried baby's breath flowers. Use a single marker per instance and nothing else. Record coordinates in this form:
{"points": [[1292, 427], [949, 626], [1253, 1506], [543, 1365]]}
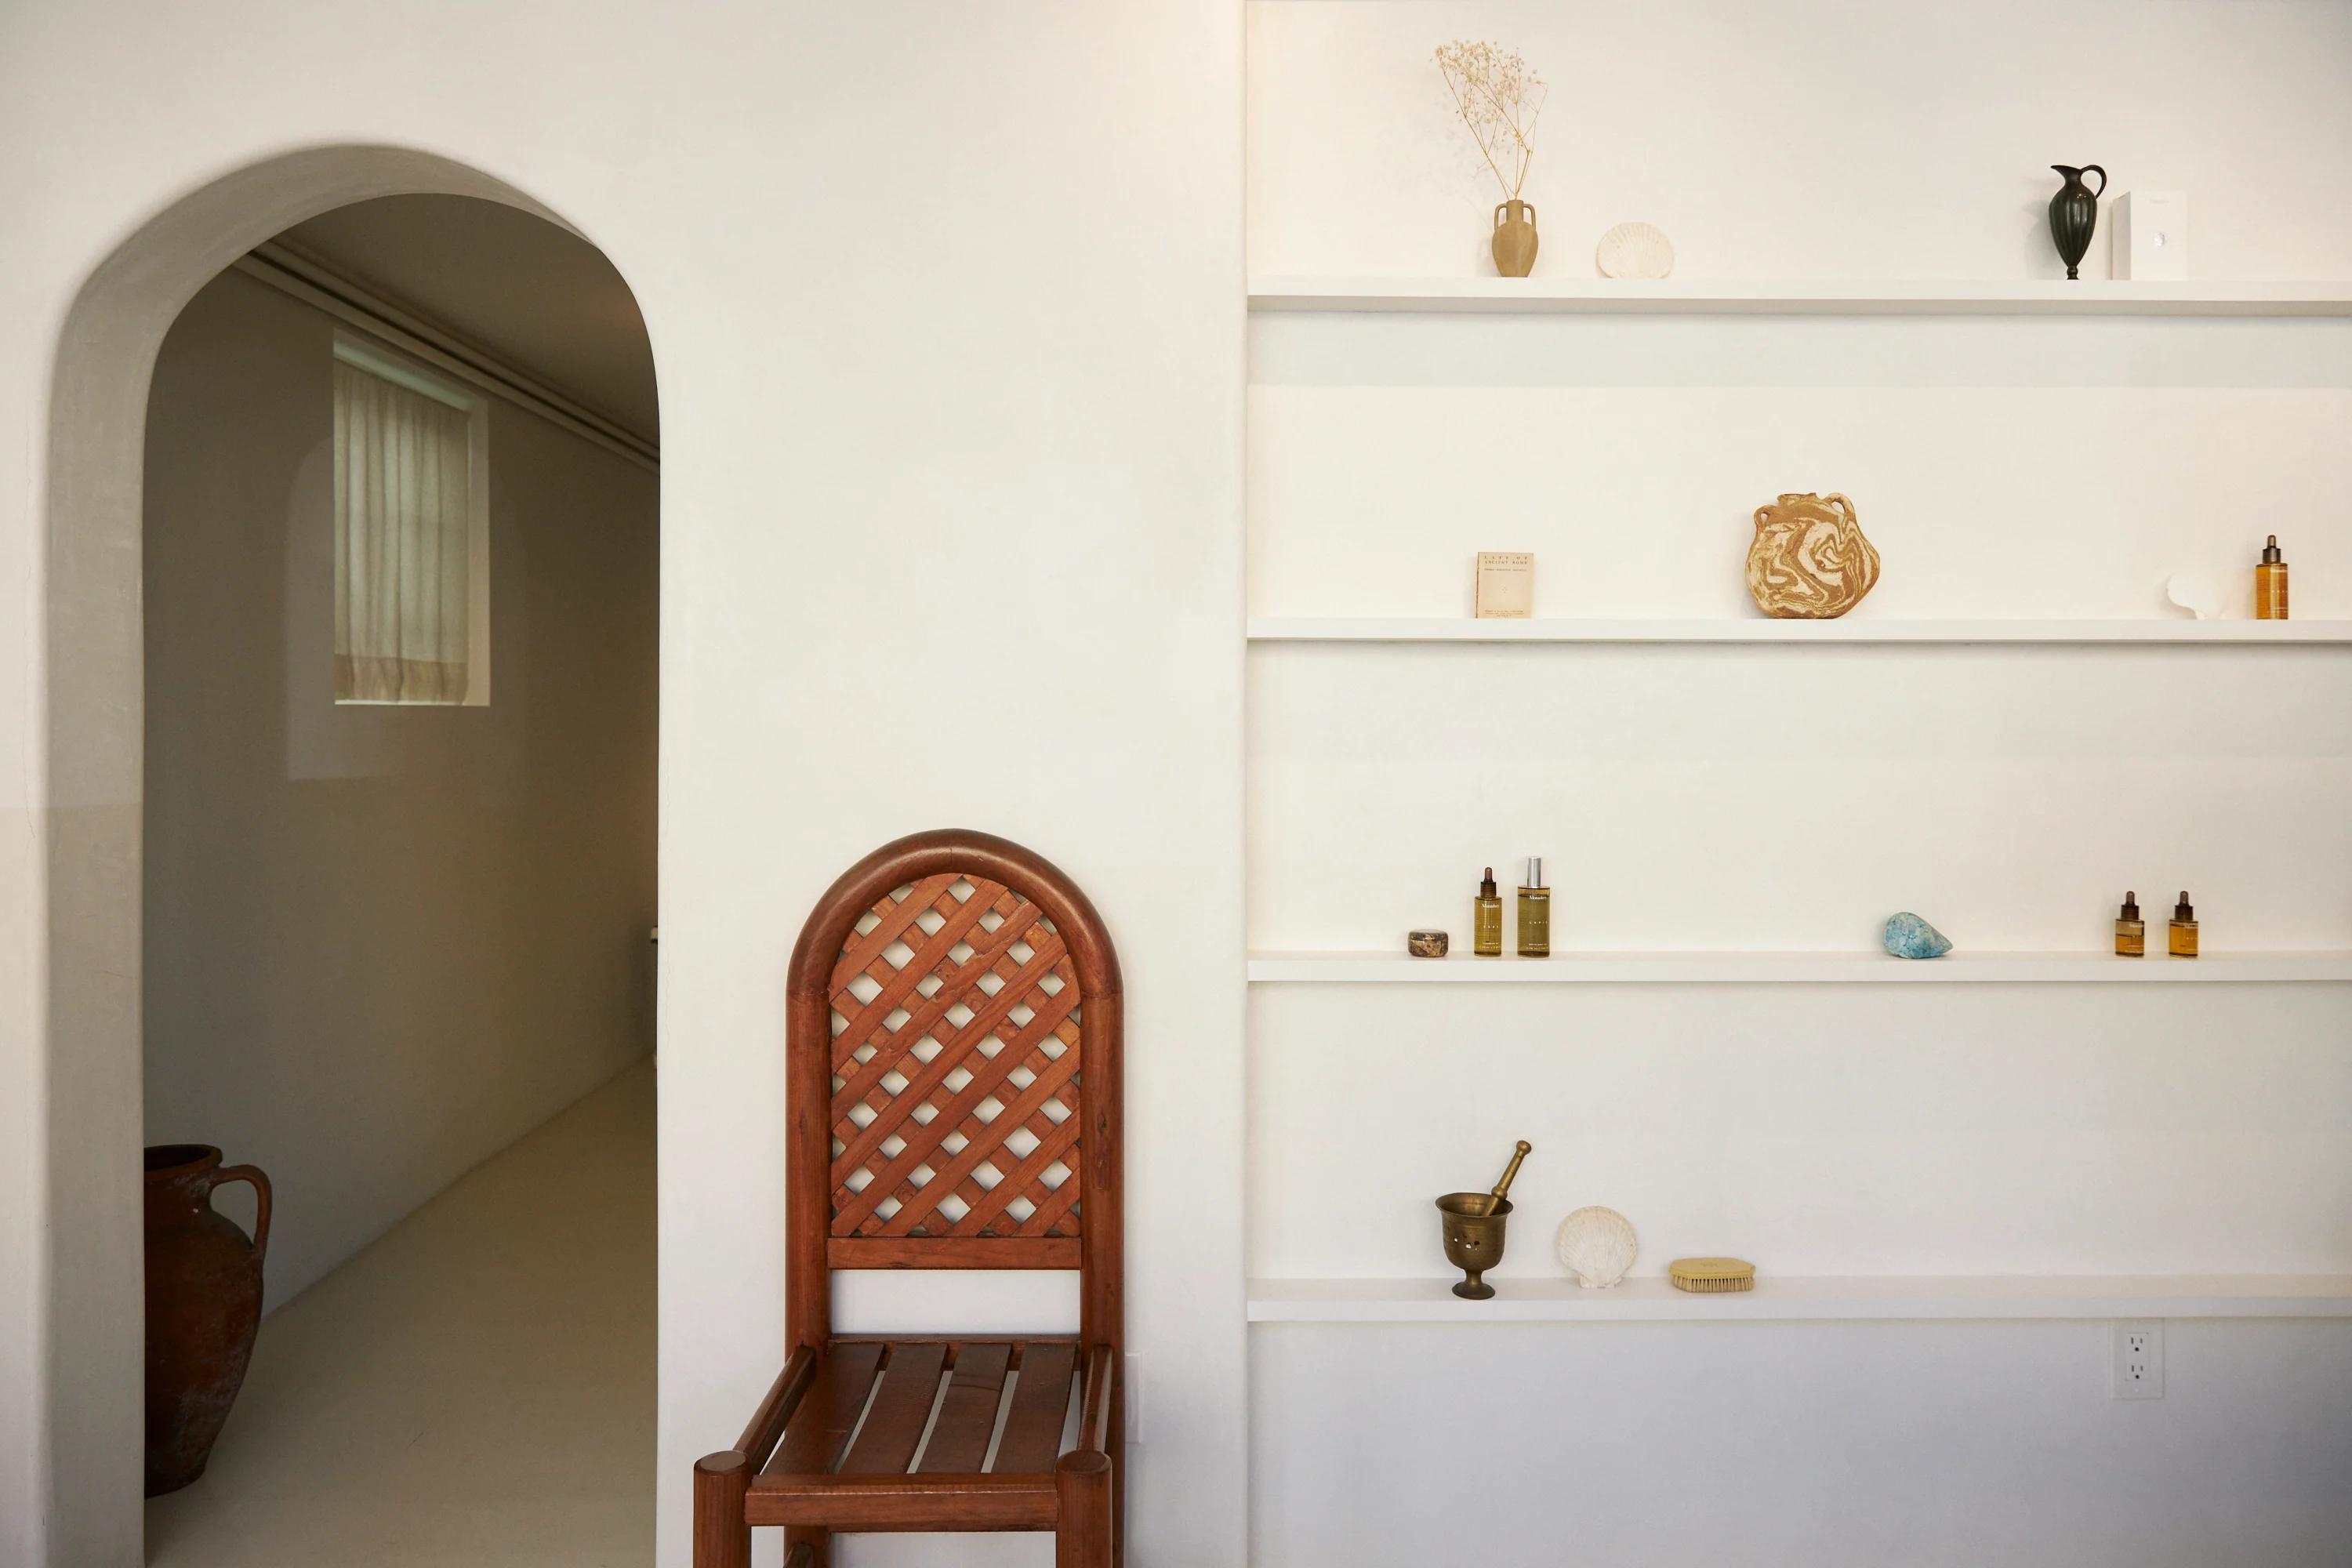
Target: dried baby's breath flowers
{"points": [[1499, 98]]}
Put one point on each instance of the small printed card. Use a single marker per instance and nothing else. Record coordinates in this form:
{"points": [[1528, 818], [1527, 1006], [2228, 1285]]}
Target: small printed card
{"points": [[1507, 585]]}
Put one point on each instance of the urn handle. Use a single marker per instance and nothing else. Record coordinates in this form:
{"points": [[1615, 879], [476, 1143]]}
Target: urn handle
{"points": [[229, 1174], [1503, 208]]}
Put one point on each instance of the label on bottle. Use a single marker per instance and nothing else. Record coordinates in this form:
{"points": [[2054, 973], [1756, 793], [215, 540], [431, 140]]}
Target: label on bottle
{"points": [[2184, 939], [1535, 922], [2270, 593], [1486, 928], [2131, 939]]}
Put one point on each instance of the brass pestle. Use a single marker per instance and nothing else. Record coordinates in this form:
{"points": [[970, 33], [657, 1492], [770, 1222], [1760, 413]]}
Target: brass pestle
{"points": [[1473, 1229]]}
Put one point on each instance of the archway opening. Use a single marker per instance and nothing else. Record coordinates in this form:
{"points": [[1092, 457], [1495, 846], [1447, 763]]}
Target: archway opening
{"points": [[386, 934]]}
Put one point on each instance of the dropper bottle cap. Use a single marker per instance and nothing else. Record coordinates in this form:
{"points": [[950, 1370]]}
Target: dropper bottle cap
{"points": [[1486, 884], [2183, 911], [2131, 906], [1535, 871], [2270, 556]]}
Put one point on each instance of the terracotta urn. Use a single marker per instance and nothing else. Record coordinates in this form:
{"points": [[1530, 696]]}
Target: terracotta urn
{"points": [[204, 1305], [1515, 237]]}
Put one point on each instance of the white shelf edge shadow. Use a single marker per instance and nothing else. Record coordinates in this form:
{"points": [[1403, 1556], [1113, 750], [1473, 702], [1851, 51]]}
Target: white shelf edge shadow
{"points": [[1876, 1297], [1762, 630], [1364, 968], [1949, 297]]}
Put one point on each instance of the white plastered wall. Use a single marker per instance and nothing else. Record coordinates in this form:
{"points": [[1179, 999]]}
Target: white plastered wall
{"points": [[951, 500], [1778, 798]]}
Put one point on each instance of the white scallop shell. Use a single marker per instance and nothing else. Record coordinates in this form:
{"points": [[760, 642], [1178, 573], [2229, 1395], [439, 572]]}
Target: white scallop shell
{"points": [[2197, 592], [1635, 250], [1598, 1244]]}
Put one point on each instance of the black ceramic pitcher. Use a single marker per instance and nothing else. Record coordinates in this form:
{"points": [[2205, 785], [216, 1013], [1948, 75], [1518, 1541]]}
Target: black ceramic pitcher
{"points": [[2075, 213]]}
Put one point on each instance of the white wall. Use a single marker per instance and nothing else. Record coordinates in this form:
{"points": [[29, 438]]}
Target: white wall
{"points": [[381, 943], [1807, 139], [1779, 798], [1792, 1445], [946, 307]]}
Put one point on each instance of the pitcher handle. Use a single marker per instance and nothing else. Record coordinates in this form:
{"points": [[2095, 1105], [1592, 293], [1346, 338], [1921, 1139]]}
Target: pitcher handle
{"points": [[229, 1174], [2095, 169]]}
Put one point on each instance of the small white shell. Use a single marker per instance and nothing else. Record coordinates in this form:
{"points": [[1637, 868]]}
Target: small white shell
{"points": [[1598, 1244], [1635, 250], [2197, 592]]}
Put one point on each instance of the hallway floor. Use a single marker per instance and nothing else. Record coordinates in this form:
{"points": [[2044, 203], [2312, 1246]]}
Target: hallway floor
{"points": [[476, 1388]]}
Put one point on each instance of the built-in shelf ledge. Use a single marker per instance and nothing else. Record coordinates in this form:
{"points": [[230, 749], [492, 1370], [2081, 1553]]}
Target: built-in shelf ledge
{"points": [[1873, 1298], [1759, 629], [1339, 968], [2042, 296]]}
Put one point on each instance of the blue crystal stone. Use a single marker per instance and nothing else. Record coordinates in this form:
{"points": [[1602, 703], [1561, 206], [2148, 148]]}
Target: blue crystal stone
{"points": [[1908, 936]]}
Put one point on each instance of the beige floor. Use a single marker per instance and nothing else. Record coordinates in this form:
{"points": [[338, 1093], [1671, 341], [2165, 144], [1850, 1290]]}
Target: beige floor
{"points": [[477, 1387]]}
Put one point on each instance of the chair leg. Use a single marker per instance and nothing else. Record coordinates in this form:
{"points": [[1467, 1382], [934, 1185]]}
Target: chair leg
{"points": [[1117, 1448], [808, 1548], [1082, 1538], [721, 1538]]}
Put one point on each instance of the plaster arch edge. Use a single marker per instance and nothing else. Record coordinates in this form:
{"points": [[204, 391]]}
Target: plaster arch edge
{"points": [[87, 788]]}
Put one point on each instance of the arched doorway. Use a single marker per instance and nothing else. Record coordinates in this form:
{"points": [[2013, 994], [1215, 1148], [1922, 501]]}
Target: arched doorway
{"points": [[92, 859]]}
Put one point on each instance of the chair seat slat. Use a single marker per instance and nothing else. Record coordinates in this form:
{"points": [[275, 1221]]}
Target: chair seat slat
{"points": [[828, 1412], [1041, 1408], [894, 1424], [968, 1414]]}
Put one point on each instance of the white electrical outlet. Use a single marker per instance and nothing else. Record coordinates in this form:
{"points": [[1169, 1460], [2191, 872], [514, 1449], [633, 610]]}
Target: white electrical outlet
{"points": [[1134, 1391], [2138, 1356]]}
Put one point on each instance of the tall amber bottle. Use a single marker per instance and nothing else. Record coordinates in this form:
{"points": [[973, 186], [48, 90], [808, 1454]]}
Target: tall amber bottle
{"points": [[1535, 912], [1486, 920], [2131, 931], [2184, 927], [2270, 583]]}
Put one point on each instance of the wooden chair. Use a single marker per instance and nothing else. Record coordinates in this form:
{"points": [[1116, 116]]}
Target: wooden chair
{"points": [[952, 1041]]}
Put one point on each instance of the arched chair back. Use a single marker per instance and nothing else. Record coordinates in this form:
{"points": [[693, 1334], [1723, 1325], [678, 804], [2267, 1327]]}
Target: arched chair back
{"points": [[953, 1045]]}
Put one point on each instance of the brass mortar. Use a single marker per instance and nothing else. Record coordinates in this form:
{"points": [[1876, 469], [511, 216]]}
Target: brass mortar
{"points": [[1474, 1238]]}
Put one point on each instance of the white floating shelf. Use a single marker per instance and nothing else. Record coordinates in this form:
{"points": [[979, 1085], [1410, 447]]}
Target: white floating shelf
{"points": [[1762, 630], [1870, 1298], [1797, 968], [2041, 297]]}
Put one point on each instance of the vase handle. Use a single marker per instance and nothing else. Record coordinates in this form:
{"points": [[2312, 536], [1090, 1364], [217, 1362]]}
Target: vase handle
{"points": [[229, 1174], [2095, 169]]}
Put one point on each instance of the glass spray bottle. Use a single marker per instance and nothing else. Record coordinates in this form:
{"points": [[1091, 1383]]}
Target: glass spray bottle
{"points": [[1535, 912]]}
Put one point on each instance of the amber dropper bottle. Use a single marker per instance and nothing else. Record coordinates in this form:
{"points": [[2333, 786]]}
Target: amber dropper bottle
{"points": [[2270, 583], [2184, 927], [2131, 931], [1486, 920], [1535, 912]]}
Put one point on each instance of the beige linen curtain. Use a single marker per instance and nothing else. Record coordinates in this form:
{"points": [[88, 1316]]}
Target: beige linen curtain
{"points": [[403, 516]]}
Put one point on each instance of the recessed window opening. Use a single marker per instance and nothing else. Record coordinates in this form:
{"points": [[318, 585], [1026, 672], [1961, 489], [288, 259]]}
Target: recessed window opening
{"points": [[412, 535]]}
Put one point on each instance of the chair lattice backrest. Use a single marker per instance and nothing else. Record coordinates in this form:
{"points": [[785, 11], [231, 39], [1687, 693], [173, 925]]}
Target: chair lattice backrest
{"points": [[955, 1021], [956, 1051]]}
